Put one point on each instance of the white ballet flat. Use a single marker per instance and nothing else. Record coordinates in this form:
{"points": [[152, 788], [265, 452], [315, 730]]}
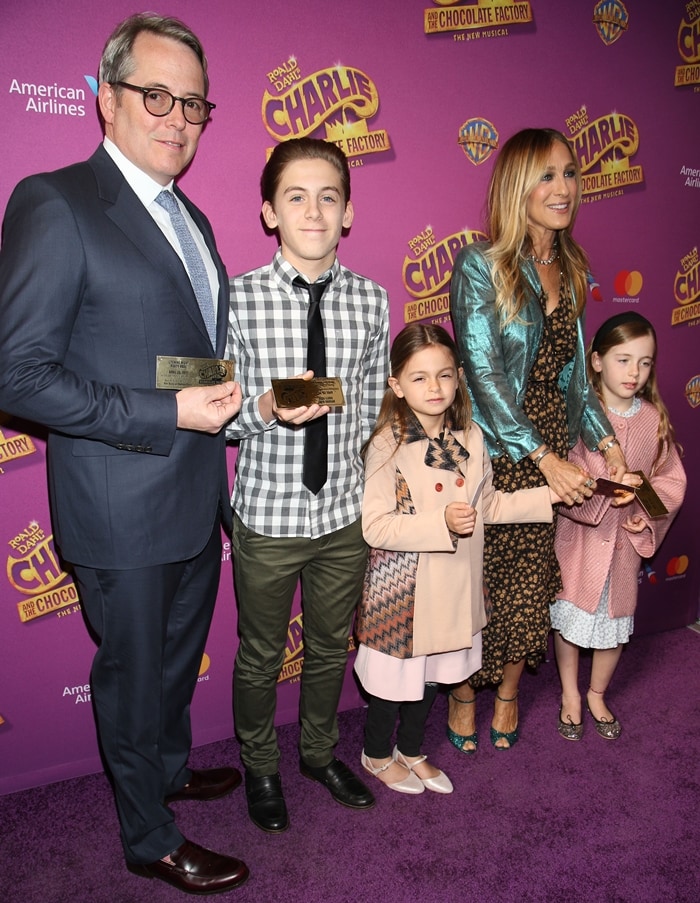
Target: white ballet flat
{"points": [[439, 784], [410, 784]]}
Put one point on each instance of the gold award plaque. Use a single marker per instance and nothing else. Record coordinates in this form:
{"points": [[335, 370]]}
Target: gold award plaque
{"points": [[648, 499], [184, 372], [644, 494], [610, 487], [295, 393]]}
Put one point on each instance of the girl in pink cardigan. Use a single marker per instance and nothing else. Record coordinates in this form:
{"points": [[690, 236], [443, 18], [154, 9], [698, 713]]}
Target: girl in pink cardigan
{"points": [[599, 545], [428, 493]]}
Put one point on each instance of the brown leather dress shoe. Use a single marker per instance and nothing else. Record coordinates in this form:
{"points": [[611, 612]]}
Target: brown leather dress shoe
{"points": [[207, 784], [197, 870]]}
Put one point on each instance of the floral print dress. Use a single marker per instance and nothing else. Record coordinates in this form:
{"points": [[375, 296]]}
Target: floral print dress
{"points": [[521, 570]]}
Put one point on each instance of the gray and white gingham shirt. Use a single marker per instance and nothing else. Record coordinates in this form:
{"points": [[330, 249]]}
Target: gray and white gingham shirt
{"points": [[267, 337]]}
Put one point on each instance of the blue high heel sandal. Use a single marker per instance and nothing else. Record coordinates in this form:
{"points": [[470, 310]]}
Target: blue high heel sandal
{"points": [[510, 736], [458, 740]]}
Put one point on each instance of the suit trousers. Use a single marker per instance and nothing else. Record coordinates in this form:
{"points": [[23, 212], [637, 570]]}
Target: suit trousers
{"points": [[267, 570], [152, 625]]}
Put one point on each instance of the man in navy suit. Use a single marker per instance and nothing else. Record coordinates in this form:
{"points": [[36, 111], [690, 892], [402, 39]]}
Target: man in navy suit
{"points": [[95, 283]]}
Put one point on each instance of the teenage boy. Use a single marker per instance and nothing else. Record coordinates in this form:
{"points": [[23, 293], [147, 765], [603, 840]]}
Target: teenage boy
{"points": [[294, 521]]}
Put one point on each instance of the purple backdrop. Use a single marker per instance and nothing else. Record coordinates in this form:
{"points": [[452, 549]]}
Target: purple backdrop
{"points": [[421, 95]]}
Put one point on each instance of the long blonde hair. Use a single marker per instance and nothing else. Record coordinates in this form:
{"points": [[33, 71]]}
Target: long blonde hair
{"points": [[518, 170], [394, 411], [618, 330]]}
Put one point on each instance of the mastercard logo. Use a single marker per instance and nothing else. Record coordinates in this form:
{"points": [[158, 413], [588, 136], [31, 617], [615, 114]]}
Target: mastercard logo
{"points": [[628, 282], [206, 663], [677, 565]]}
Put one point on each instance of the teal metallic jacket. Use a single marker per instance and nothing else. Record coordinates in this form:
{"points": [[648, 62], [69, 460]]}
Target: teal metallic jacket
{"points": [[497, 362]]}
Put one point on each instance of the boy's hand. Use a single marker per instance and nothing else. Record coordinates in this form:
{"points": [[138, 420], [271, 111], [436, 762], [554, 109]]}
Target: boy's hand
{"points": [[297, 416], [267, 406]]}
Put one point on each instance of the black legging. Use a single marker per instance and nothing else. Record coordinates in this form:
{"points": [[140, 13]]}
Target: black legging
{"points": [[381, 720]]}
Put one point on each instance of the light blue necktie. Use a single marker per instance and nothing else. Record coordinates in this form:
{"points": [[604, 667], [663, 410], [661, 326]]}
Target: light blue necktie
{"points": [[193, 261]]}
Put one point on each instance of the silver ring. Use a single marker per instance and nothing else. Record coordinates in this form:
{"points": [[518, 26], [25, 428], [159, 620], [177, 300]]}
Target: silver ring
{"points": [[577, 497], [589, 482]]}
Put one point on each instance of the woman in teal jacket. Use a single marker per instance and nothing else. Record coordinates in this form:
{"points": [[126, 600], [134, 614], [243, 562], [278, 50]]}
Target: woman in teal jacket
{"points": [[517, 308]]}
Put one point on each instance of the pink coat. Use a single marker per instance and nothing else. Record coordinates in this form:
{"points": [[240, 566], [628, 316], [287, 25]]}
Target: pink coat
{"points": [[591, 542], [449, 600]]}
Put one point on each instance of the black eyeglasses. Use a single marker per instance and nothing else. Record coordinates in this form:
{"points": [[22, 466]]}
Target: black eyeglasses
{"points": [[160, 102]]}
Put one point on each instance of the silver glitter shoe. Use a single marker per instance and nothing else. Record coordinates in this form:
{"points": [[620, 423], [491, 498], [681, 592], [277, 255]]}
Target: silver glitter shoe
{"points": [[608, 730], [568, 730]]}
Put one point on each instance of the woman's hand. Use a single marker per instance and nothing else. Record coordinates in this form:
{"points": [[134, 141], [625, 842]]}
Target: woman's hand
{"points": [[571, 484], [460, 518]]}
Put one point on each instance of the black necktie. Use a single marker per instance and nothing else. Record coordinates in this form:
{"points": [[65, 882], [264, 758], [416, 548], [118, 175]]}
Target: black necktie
{"points": [[315, 431]]}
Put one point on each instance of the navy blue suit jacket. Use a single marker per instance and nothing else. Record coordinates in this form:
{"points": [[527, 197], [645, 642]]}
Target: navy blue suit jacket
{"points": [[90, 293]]}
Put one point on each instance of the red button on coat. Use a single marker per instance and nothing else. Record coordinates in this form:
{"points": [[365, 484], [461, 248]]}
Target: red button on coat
{"points": [[438, 487], [460, 481]]}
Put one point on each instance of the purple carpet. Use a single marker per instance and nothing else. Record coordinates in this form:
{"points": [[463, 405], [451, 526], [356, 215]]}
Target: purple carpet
{"points": [[597, 821]]}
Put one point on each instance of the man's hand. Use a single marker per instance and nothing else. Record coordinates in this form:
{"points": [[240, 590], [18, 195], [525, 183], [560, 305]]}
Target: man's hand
{"points": [[207, 408]]}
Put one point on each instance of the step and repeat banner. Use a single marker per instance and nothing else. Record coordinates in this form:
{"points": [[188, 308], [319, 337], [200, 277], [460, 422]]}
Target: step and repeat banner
{"points": [[420, 95]]}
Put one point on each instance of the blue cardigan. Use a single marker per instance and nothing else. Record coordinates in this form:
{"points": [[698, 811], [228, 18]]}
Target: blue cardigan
{"points": [[497, 362]]}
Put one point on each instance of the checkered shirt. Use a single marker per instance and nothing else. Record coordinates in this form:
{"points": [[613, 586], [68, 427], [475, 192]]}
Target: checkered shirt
{"points": [[267, 338]]}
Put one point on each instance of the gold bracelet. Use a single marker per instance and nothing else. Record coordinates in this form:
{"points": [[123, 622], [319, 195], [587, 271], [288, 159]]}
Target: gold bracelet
{"points": [[538, 458], [608, 445]]}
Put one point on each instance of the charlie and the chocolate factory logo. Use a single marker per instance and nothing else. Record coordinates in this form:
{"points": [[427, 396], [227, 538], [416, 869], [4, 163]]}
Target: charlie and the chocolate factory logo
{"points": [[605, 148], [13, 447], [35, 572], [426, 273], [686, 290], [33, 568], [469, 20], [294, 651], [688, 73], [340, 100]]}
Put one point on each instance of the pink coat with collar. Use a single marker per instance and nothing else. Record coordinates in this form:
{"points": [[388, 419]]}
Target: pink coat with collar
{"points": [[591, 541]]}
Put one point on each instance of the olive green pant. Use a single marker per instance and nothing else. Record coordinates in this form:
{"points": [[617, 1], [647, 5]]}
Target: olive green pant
{"points": [[266, 573]]}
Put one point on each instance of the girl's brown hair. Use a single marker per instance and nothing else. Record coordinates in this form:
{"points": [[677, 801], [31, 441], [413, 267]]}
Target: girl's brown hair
{"points": [[395, 410], [616, 331]]}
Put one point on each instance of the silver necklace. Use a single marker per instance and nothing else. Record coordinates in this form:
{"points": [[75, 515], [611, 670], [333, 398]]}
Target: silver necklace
{"points": [[548, 260]]}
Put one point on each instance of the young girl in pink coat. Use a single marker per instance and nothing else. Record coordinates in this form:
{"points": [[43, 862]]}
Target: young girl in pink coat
{"points": [[428, 493], [599, 546]]}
